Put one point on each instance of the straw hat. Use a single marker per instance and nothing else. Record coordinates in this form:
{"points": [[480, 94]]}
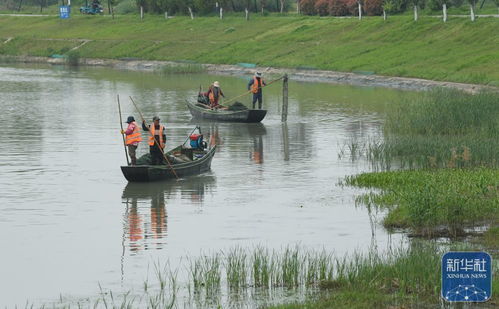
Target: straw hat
{"points": [[216, 84]]}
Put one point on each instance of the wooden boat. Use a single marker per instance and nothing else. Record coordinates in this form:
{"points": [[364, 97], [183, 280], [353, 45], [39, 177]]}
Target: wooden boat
{"points": [[201, 111], [186, 162]]}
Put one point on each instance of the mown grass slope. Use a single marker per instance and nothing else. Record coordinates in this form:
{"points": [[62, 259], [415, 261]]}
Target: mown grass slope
{"points": [[459, 50]]}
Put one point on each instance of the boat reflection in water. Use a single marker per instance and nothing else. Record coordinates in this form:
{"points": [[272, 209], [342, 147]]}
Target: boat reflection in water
{"points": [[146, 218], [240, 135]]}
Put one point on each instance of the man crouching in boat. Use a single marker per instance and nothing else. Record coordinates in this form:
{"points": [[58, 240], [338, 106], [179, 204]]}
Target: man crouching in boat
{"points": [[158, 131], [214, 93], [133, 138]]}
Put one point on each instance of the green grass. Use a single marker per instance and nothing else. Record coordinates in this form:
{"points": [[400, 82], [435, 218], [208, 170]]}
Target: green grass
{"points": [[428, 201], [440, 128], [446, 112], [458, 50], [406, 276]]}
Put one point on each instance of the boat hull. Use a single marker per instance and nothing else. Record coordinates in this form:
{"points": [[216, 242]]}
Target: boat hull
{"points": [[248, 116], [148, 173]]}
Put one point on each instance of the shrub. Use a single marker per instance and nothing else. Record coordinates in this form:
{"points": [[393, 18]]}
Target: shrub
{"points": [[322, 7], [338, 8], [373, 7], [126, 7], [352, 6], [307, 7], [395, 6], [73, 58]]}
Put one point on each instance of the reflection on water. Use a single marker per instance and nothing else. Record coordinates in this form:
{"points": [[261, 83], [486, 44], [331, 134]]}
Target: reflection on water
{"points": [[257, 153], [146, 215], [65, 203]]}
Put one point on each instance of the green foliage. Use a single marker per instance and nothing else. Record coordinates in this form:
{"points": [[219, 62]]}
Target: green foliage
{"points": [[429, 200], [446, 112], [126, 7], [440, 128], [73, 58], [208, 7], [395, 6]]}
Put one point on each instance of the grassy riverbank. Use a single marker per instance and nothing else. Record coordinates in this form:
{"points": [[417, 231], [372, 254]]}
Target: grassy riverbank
{"points": [[402, 277], [458, 50], [434, 201], [453, 136]]}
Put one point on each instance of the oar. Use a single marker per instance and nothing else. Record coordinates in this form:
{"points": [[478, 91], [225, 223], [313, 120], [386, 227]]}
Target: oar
{"points": [[154, 139], [121, 124]]}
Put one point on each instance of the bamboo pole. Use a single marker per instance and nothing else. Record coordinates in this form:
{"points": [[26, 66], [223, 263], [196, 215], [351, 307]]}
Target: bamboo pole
{"points": [[249, 91], [122, 134], [154, 139]]}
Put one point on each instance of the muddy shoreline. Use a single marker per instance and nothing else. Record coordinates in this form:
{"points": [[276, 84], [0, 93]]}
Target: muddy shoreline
{"points": [[321, 76]]}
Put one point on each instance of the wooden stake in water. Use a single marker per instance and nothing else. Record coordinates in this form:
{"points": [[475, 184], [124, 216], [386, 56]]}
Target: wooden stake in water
{"points": [[121, 124], [284, 116]]}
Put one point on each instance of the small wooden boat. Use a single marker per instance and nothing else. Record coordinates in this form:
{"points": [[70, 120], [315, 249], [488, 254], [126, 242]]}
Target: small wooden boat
{"points": [[201, 111], [185, 162]]}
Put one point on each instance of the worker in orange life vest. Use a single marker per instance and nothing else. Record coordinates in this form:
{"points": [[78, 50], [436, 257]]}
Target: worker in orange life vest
{"points": [[157, 147], [214, 93], [255, 85], [132, 138]]}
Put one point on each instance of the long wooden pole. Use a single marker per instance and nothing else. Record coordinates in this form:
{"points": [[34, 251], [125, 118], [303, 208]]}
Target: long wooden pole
{"points": [[249, 91], [154, 139], [122, 134], [284, 116]]}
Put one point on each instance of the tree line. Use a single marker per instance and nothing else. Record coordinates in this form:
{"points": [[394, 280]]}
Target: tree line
{"points": [[207, 7], [306, 7], [377, 7]]}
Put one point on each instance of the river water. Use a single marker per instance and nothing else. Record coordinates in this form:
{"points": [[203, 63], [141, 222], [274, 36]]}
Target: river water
{"points": [[70, 221]]}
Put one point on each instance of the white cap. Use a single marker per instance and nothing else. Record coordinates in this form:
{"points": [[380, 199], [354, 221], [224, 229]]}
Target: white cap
{"points": [[216, 84]]}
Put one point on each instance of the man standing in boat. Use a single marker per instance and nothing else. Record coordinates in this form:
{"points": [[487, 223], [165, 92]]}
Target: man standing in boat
{"points": [[255, 85], [214, 93], [156, 148], [133, 138]]}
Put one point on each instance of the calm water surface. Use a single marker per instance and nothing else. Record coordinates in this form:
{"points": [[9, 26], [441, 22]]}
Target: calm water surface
{"points": [[69, 220]]}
